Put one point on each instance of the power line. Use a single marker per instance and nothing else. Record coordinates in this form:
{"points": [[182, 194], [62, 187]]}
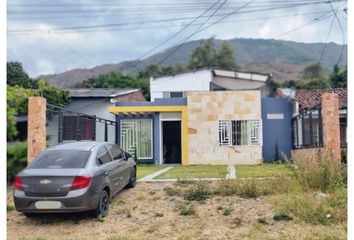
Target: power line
{"points": [[325, 45], [121, 24], [164, 26], [174, 35], [341, 28], [181, 30], [200, 30]]}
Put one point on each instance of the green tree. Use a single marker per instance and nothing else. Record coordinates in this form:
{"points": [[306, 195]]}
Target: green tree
{"points": [[338, 77], [17, 76], [54, 95], [17, 99], [204, 55], [149, 71], [118, 80], [312, 71], [225, 57]]}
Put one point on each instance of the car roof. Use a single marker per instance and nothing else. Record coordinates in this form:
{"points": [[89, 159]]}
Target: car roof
{"points": [[85, 146]]}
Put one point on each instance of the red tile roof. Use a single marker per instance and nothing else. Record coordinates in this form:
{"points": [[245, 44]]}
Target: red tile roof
{"points": [[308, 98]]}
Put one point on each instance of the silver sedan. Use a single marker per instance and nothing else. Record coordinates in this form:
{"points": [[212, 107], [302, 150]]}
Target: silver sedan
{"points": [[74, 177]]}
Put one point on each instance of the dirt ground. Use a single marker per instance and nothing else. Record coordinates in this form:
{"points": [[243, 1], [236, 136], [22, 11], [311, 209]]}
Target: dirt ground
{"points": [[146, 212]]}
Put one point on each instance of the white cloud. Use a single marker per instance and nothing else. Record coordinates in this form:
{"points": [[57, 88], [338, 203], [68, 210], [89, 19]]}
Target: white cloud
{"points": [[60, 51]]}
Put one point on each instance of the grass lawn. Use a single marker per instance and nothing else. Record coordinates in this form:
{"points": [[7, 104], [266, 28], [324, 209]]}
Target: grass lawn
{"points": [[195, 171], [263, 170], [146, 169]]}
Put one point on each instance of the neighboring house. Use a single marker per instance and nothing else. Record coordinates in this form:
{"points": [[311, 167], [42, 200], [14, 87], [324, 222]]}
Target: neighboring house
{"points": [[207, 79], [307, 129], [93, 102]]}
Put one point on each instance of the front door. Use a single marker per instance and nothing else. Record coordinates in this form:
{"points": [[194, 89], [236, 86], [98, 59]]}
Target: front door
{"points": [[171, 142]]}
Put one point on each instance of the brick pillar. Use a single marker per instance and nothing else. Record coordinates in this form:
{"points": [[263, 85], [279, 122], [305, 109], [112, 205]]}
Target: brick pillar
{"points": [[36, 131], [331, 129]]}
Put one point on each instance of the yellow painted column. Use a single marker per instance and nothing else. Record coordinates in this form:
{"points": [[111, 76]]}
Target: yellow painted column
{"points": [[185, 160]]}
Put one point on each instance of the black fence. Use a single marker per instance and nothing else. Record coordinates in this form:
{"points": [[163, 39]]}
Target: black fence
{"points": [[307, 129], [64, 125]]}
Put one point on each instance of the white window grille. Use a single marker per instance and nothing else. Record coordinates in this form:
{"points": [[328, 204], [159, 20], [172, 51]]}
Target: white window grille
{"points": [[225, 133], [240, 132], [137, 134]]}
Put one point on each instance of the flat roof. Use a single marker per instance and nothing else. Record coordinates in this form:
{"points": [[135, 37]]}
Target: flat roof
{"points": [[99, 92]]}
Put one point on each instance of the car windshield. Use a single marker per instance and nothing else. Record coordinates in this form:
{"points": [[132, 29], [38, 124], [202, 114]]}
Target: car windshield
{"points": [[57, 159]]}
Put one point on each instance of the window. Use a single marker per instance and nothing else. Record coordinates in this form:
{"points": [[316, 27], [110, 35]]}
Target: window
{"points": [[137, 134], [173, 94], [116, 152], [176, 94], [55, 159], [103, 156], [240, 132]]}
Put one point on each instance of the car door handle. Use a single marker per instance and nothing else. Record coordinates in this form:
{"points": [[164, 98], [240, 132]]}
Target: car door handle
{"points": [[106, 173]]}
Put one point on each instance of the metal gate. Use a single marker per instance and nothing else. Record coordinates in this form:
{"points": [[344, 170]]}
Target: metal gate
{"points": [[137, 135]]}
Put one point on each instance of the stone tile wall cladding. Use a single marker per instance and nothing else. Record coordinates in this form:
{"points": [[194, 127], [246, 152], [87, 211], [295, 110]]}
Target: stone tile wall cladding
{"points": [[205, 109]]}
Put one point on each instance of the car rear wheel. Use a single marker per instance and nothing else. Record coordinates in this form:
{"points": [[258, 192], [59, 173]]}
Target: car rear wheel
{"points": [[132, 179], [103, 205]]}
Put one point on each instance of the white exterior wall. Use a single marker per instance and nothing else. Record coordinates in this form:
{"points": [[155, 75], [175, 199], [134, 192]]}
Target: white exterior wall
{"points": [[191, 81]]}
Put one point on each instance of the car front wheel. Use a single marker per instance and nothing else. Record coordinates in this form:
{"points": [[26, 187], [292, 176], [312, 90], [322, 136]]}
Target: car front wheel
{"points": [[132, 179], [103, 205]]}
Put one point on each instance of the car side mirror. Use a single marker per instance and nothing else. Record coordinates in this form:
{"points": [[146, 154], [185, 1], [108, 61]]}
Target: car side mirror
{"points": [[127, 155]]}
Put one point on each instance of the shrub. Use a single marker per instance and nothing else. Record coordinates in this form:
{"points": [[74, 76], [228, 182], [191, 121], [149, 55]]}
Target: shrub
{"points": [[282, 217], [198, 192], [16, 158], [172, 191], [227, 211], [186, 210], [318, 171]]}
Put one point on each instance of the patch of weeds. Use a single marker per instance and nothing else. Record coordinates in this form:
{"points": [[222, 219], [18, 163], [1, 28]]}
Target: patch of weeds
{"points": [[198, 192], [307, 208], [119, 238], [227, 211], [248, 189], [10, 208], [152, 228], [281, 216], [238, 221], [262, 221], [158, 214], [331, 238], [181, 181], [169, 191], [152, 193], [185, 208], [100, 218], [140, 198]]}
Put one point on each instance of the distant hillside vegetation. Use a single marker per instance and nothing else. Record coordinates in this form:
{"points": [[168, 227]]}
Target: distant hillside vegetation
{"points": [[285, 59]]}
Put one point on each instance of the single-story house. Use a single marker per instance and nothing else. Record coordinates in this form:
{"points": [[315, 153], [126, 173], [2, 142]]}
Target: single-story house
{"points": [[191, 121], [208, 79], [306, 118]]}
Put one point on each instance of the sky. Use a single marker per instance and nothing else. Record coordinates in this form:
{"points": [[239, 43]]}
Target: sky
{"points": [[55, 36]]}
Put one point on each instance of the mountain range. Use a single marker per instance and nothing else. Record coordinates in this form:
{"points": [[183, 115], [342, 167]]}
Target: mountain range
{"points": [[285, 59]]}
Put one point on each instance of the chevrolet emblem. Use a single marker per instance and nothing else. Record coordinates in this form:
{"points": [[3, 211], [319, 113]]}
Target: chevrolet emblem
{"points": [[45, 181]]}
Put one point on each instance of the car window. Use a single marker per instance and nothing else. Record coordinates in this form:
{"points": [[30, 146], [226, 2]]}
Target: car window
{"points": [[103, 156], [55, 159], [116, 152]]}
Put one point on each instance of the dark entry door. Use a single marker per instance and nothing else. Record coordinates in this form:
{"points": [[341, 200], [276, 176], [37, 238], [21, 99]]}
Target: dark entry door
{"points": [[171, 139]]}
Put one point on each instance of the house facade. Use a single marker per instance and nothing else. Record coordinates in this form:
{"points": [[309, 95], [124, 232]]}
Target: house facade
{"points": [[218, 127]]}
